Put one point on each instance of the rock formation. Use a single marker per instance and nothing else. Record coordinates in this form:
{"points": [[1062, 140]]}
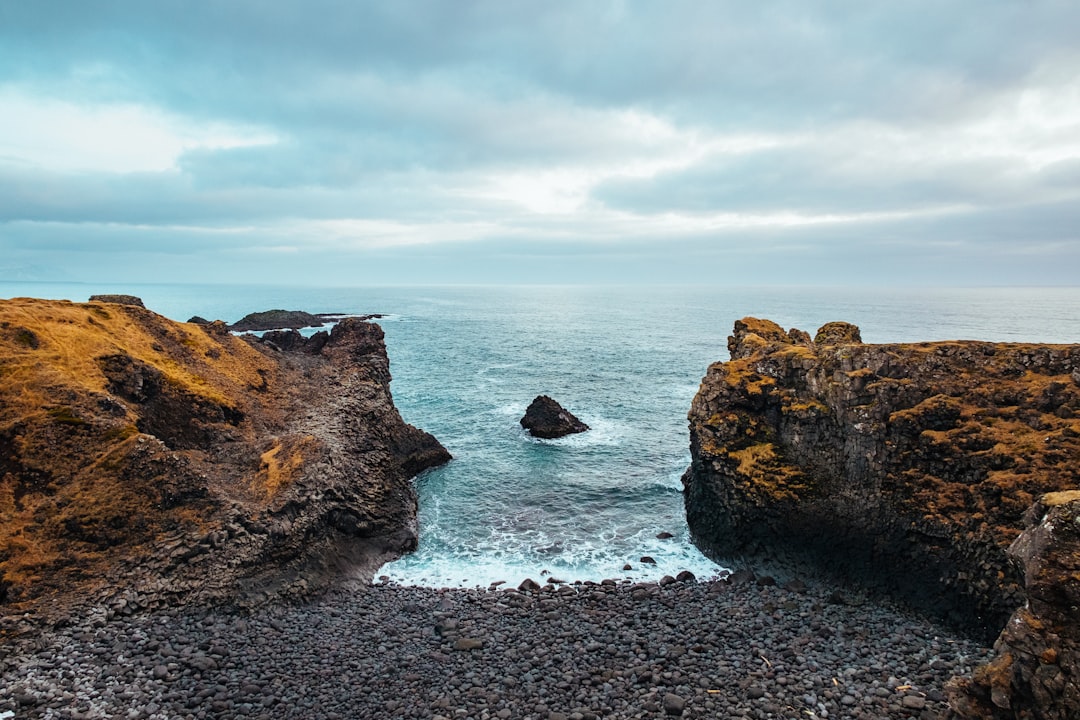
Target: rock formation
{"points": [[904, 467], [155, 461], [118, 300], [276, 320], [1036, 671], [545, 418]]}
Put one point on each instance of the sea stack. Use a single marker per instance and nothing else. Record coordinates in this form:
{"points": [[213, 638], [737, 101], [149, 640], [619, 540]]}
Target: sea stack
{"points": [[545, 418]]}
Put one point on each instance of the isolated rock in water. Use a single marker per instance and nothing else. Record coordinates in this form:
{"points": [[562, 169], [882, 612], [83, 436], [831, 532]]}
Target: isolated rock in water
{"points": [[1034, 672], [545, 418], [118, 299], [198, 320], [276, 320]]}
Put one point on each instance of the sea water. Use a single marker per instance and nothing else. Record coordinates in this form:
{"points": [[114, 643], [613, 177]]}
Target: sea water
{"points": [[467, 361]]}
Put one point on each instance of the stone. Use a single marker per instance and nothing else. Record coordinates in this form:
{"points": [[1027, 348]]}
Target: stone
{"points": [[913, 702], [546, 418], [468, 644], [673, 704], [529, 585]]}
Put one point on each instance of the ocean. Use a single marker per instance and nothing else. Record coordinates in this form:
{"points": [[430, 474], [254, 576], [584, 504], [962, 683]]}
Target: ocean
{"points": [[467, 361]]}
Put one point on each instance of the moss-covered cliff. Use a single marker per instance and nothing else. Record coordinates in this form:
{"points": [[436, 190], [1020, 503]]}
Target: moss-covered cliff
{"points": [[906, 467], [158, 461]]}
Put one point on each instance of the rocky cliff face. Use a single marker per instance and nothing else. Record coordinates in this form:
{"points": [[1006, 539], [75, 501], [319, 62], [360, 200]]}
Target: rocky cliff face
{"points": [[907, 468], [153, 461], [1036, 669]]}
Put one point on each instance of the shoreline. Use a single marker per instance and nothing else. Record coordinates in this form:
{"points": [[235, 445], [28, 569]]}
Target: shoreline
{"points": [[690, 649]]}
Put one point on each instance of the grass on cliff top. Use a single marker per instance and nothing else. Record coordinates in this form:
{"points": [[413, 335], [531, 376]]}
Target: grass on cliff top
{"points": [[64, 496], [48, 344]]}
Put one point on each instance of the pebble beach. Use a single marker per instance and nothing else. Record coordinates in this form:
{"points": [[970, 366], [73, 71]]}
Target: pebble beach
{"points": [[562, 652]]}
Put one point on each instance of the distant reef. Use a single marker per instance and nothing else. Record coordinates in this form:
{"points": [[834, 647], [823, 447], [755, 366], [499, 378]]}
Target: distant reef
{"points": [[284, 320], [908, 469], [145, 462]]}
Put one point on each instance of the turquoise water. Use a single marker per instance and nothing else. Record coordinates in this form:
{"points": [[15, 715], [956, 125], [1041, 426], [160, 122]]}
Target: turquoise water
{"points": [[467, 361]]}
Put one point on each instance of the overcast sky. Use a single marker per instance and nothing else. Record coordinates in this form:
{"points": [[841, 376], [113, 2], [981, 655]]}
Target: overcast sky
{"points": [[353, 143]]}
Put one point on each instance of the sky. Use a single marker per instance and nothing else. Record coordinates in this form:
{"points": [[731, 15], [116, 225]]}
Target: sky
{"points": [[930, 142]]}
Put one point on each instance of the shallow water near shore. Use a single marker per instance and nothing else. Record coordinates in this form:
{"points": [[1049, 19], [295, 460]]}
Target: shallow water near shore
{"points": [[467, 361]]}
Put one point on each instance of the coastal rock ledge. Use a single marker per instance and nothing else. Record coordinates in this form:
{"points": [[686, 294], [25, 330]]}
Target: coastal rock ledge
{"points": [[146, 462], [906, 468]]}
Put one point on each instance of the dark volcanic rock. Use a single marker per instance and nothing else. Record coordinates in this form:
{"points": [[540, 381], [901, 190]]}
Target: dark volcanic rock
{"points": [[198, 320], [905, 467], [1036, 670], [174, 462], [545, 418], [118, 299], [276, 320]]}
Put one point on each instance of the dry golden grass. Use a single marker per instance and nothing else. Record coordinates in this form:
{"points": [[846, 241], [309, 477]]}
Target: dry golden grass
{"points": [[71, 337], [281, 464], [63, 496]]}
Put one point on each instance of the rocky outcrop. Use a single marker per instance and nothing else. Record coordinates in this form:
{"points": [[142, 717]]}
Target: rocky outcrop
{"points": [[904, 467], [276, 320], [545, 418], [118, 300], [157, 462], [1036, 669]]}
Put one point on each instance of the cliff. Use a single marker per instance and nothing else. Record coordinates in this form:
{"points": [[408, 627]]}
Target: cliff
{"points": [[152, 462], [1036, 669], [905, 467]]}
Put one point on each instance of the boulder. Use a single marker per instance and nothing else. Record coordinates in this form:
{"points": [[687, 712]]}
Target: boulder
{"points": [[838, 333], [545, 418]]}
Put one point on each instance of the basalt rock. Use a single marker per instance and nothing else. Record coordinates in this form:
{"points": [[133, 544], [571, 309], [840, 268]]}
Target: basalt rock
{"points": [[906, 468], [545, 418], [276, 320], [118, 300], [171, 462], [1036, 669]]}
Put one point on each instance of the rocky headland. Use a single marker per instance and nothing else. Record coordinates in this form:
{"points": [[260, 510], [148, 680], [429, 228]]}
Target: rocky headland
{"points": [[146, 463], [908, 469]]}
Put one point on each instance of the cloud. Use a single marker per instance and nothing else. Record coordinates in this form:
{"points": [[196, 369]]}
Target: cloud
{"points": [[612, 133]]}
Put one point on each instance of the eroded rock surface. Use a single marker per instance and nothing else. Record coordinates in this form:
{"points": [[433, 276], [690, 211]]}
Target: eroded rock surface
{"points": [[276, 320], [905, 467], [1036, 669], [165, 462], [546, 418]]}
